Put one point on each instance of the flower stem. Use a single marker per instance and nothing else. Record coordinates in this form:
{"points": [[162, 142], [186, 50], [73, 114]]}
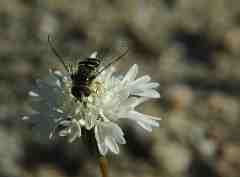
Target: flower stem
{"points": [[103, 166]]}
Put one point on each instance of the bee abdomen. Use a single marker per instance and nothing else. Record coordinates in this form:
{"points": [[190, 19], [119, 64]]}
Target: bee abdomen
{"points": [[90, 63], [80, 91]]}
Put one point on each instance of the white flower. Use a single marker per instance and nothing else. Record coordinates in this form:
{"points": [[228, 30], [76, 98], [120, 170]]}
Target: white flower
{"points": [[112, 98]]}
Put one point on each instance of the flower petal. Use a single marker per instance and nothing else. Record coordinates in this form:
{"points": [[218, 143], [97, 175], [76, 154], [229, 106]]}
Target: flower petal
{"points": [[131, 74], [100, 140], [108, 134], [111, 144], [33, 94], [94, 55], [145, 121], [146, 93], [141, 80]]}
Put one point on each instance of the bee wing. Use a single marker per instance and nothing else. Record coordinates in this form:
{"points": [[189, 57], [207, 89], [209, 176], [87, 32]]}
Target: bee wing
{"points": [[112, 54]]}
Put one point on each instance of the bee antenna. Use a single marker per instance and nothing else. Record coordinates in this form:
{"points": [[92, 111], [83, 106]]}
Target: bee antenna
{"points": [[56, 52], [115, 60]]}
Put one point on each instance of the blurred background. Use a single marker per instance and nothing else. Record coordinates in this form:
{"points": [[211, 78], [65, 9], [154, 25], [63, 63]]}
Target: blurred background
{"points": [[190, 47]]}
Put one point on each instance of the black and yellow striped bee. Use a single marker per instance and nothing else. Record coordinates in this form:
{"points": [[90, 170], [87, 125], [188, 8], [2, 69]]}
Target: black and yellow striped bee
{"points": [[87, 70]]}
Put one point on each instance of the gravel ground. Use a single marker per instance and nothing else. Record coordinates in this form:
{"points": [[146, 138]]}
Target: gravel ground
{"points": [[190, 47]]}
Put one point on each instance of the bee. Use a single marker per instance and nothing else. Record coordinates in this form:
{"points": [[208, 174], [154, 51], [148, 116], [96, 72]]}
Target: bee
{"points": [[87, 70]]}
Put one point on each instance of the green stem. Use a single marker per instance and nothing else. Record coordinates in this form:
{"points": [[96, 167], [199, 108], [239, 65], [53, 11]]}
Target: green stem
{"points": [[90, 142], [103, 166]]}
